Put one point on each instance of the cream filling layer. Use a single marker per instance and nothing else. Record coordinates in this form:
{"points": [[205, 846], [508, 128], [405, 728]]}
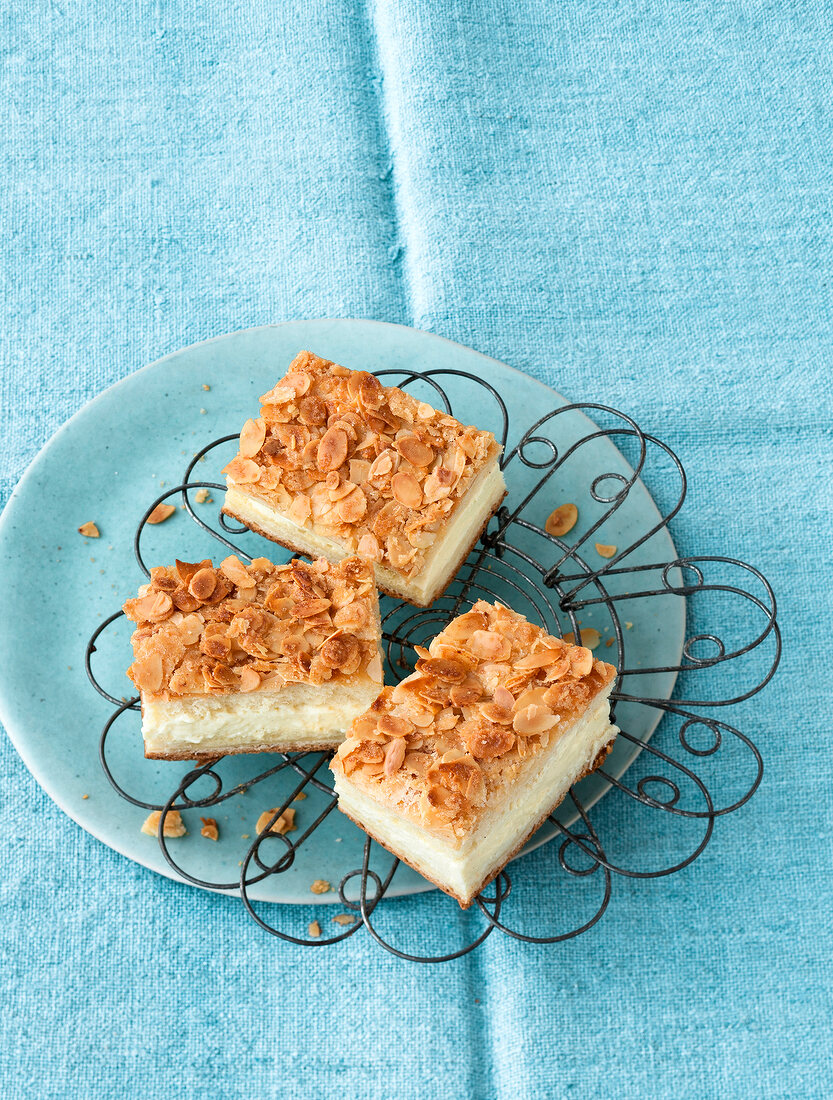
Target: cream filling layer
{"points": [[466, 520], [463, 866], [298, 714]]}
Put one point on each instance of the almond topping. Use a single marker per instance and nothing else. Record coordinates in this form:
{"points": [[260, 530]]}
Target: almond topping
{"points": [[443, 668], [249, 679], [533, 720], [89, 531], [503, 698], [242, 471], [406, 490], [209, 828], [353, 506], [174, 825], [203, 583], [252, 437], [562, 520], [413, 451], [605, 551], [489, 645], [160, 513], [394, 755], [332, 450], [147, 673], [233, 568], [540, 659], [369, 547], [581, 661]]}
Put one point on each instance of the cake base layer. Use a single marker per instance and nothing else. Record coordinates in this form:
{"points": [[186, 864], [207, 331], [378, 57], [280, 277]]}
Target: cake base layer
{"points": [[448, 553], [298, 718], [464, 869]]}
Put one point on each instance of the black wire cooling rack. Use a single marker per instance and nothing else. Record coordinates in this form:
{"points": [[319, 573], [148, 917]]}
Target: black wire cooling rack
{"points": [[551, 580]]}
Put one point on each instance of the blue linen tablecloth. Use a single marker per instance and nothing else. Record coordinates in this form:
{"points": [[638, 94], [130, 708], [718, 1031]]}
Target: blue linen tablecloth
{"points": [[630, 201]]}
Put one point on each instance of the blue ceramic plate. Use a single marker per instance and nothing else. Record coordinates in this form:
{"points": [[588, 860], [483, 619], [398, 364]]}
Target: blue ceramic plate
{"points": [[120, 452]]}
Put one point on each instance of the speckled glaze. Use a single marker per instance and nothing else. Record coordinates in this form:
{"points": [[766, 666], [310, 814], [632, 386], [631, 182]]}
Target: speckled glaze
{"points": [[110, 461]]}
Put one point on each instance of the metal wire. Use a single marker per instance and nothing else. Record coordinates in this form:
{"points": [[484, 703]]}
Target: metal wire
{"points": [[562, 582]]}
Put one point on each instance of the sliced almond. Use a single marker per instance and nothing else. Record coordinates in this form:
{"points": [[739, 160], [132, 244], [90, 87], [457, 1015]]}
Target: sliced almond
{"points": [[146, 673], [562, 520], [414, 451], [203, 583], [174, 825], [332, 449], [233, 568], [243, 471], [604, 550], [283, 824], [533, 720], [581, 661], [249, 679], [353, 506], [89, 530], [406, 490], [160, 513], [252, 437], [394, 755], [209, 828]]}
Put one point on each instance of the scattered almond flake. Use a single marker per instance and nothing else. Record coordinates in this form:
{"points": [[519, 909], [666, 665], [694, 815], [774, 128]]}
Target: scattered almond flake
{"points": [[299, 797], [314, 929], [604, 550], [203, 412], [245, 836], [283, 824], [344, 918], [174, 825], [205, 387], [562, 520], [201, 496], [85, 796], [89, 531], [320, 886], [628, 626], [209, 828], [609, 642], [160, 513], [590, 637]]}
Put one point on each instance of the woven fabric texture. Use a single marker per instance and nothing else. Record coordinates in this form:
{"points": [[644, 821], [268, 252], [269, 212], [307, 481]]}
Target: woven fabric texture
{"points": [[629, 200]]}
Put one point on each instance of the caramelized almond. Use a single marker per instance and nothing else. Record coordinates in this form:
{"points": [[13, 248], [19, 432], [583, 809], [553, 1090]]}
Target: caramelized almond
{"points": [[252, 437], [414, 451], [562, 520], [406, 490], [332, 450], [160, 513]]}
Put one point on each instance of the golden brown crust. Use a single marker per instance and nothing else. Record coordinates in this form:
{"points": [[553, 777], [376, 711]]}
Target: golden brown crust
{"points": [[253, 628], [506, 860], [366, 465], [297, 548], [490, 693], [204, 758]]}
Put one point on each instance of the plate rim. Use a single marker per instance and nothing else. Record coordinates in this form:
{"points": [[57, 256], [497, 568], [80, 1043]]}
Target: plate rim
{"points": [[19, 741]]}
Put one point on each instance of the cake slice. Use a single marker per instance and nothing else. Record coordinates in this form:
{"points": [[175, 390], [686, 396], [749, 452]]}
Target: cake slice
{"points": [[454, 768], [254, 658], [339, 464]]}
